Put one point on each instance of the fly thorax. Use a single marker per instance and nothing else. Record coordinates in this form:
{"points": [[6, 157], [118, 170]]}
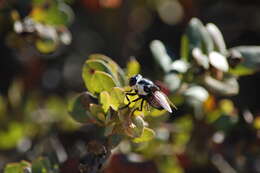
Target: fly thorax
{"points": [[140, 89]]}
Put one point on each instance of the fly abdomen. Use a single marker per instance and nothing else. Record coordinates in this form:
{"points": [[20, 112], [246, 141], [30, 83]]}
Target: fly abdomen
{"points": [[153, 102]]}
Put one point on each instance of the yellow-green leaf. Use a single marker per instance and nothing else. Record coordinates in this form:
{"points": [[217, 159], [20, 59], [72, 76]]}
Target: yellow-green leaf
{"points": [[147, 135], [105, 100], [117, 72], [90, 67], [117, 96], [101, 81], [133, 67], [17, 167], [185, 47], [46, 46]]}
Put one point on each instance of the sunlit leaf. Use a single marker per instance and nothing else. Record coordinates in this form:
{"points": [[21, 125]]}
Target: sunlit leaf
{"points": [[46, 46], [218, 61], [200, 58], [241, 70], [196, 92], [157, 112], [90, 67], [169, 164], [147, 135], [179, 66], [105, 100], [217, 37], [101, 81], [133, 67], [38, 1], [251, 59], [256, 122], [228, 86], [17, 167], [173, 81], [52, 15], [117, 97], [10, 137], [117, 71], [198, 36], [226, 106], [160, 54]]}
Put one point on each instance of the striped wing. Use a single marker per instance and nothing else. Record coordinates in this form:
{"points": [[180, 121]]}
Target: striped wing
{"points": [[162, 100]]}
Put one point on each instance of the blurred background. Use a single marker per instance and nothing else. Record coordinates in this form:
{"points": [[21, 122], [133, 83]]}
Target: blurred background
{"points": [[43, 46]]}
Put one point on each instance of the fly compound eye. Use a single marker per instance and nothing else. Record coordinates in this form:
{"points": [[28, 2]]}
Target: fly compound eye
{"points": [[132, 81], [147, 89]]}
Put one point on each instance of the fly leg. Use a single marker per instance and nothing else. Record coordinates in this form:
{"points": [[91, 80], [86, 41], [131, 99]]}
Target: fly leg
{"points": [[129, 94], [142, 104], [135, 100]]}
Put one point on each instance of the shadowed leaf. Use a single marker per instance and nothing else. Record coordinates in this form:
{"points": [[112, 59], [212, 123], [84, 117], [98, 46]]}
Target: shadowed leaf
{"points": [[79, 107]]}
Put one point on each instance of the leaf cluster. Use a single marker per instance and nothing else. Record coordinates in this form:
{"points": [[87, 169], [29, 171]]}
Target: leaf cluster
{"points": [[102, 104]]}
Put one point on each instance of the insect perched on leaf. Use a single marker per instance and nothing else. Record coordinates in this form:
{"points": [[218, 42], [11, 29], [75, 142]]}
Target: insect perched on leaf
{"points": [[146, 90]]}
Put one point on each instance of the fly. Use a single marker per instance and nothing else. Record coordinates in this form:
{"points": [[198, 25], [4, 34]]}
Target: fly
{"points": [[146, 90]]}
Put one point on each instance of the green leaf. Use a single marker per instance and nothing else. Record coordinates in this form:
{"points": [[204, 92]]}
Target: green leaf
{"points": [[79, 107], [90, 67], [200, 58], [218, 61], [42, 165], [117, 71], [112, 99], [117, 97], [105, 100], [251, 62], [139, 125], [180, 66], [101, 81], [227, 87], [217, 38], [46, 46], [185, 47], [10, 137], [53, 15], [160, 55], [17, 167], [147, 135], [173, 81], [196, 92], [198, 36], [97, 111], [241, 70], [133, 67]]}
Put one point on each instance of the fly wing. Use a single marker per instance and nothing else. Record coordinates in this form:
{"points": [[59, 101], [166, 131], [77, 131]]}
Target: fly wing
{"points": [[162, 99]]}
